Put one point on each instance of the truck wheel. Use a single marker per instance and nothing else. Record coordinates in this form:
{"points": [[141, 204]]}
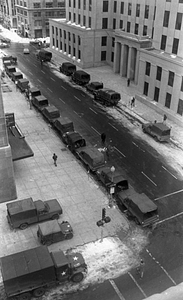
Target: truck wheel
{"points": [[25, 296], [47, 243], [77, 277], [39, 292], [55, 217], [23, 226]]}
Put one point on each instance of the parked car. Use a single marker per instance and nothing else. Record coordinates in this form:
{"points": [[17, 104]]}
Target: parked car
{"points": [[53, 232], [107, 97], [23, 84], [24, 212], [40, 102], [73, 140], [80, 77], [16, 76], [44, 55], [34, 91], [10, 70], [67, 68], [51, 113], [91, 157], [63, 125], [93, 87], [26, 51], [159, 131]]}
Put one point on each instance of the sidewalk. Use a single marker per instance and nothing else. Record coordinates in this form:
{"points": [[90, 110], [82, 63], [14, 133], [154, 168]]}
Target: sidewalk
{"points": [[80, 197]]}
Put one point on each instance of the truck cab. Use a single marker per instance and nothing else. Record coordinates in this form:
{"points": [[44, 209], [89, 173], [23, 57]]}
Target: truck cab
{"points": [[159, 131], [22, 213], [53, 232]]}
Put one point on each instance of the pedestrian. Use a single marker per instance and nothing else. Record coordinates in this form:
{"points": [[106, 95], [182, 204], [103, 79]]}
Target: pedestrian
{"points": [[41, 62], [16, 83], [30, 100], [164, 118], [140, 268], [103, 138], [55, 159], [128, 82], [133, 102]]}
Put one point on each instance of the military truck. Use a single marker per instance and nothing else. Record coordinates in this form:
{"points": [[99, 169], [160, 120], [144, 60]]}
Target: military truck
{"points": [[23, 84], [73, 140], [40, 102], [112, 178], [16, 76], [91, 157], [30, 272], [138, 206], [51, 113], [93, 87], [159, 131], [53, 232], [107, 97], [22, 213], [80, 77], [44, 55], [63, 125], [67, 68], [34, 91], [10, 70]]}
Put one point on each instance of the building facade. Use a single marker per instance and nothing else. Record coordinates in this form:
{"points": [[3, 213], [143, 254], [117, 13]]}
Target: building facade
{"points": [[8, 13], [134, 37]]}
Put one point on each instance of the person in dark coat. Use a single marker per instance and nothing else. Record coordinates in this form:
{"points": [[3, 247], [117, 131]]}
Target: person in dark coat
{"points": [[55, 159], [103, 138]]}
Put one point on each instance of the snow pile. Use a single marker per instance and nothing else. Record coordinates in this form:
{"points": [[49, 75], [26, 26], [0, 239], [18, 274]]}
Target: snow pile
{"points": [[173, 293]]}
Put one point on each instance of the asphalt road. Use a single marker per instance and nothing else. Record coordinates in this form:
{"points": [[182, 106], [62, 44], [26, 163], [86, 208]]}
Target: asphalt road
{"points": [[146, 170]]}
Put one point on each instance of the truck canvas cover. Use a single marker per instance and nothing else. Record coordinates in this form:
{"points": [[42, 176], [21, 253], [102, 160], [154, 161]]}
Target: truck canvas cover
{"points": [[49, 227], [51, 112], [64, 124], [27, 270], [40, 101], [92, 157], [17, 207], [34, 91], [113, 178]]}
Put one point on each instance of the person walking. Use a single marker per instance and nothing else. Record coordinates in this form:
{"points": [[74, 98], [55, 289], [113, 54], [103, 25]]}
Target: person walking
{"points": [[55, 159], [128, 82], [164, 119], [140, 268], [16, 83], [133, 102], [103, 138]]}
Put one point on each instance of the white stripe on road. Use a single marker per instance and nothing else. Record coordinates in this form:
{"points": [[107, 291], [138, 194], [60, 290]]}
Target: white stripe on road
{"points": [[63, 87], [169, 172], [77, 98], [149, 178], [95, 130], [157, 262], [167, 219], [93, 111], [143, 293], [138, 147], [52, 79], [113, 127], [119, 151], [61, 100], [180, 191], [116, 289], [42, 71], [30, 73], [39, 81], [83, 95], [49, 90]]}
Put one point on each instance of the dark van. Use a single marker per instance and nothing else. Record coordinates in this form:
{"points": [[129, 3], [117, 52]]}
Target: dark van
{"points": [[16, 76], [67, 68], [159, 131], [80, 77], [107, 97]]}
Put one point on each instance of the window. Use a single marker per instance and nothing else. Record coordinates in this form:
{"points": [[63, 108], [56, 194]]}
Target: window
{"points": [[158, 73], [121, 24], [128, 27], [79, 4], [105, 6], [122, 8], [136, 28], [49, 4], [79, 40], [129, 9], [84, 20], [146, 13], [74, 3], [103, 55], [56, 30], [79, 54], [64, 34], [69, 36], [79, 19], [144, 30], [115, 6], [84, 4], [148, 68], [163, 42], [178, 21], [52, 30], [37, 14], [60, 45], [182, 85], [168, 0], [156, 94], [168, 100], [113, 40], [171, 78], [73, 38], [74, 19], [60, 32], [104, 23], [112, 56], [69, 3], [90, 5], [69, 16], [180, 1], [180, 107], [104, 41], [137, 10], [175, 46], [154, 13], [146, 87], [114, 23], [166, 18], [37, 5], [89, 22]]}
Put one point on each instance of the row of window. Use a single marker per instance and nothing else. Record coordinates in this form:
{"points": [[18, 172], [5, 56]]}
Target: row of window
{"points": [[62, 46], [159, 73], [178, 22], [77, 3], [180, 1], [175, 44], [79, 20], [47, 4]]}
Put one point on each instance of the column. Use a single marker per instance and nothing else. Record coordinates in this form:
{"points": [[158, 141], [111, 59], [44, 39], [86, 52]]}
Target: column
{"points": [[137, 68], [116, 57], [129, 62], [122, 59]]}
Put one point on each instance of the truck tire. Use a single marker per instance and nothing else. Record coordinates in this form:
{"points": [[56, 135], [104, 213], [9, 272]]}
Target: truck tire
{"points": [[55, 217], [77, 277], [23, 226], [25, 296], [47, 243], [39, 292]]}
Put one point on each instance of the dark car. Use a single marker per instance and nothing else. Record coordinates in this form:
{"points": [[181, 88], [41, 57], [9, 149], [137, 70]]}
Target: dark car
{"points": [[93, 87]]}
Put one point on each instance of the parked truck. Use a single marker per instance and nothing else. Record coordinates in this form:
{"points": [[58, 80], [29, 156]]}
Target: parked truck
{"points": [[29, 273], [67, 68], [63, 125], [91, 157], [10, 70], [33, 92], [44, 55], [81, 77], [159, 131], [138, 206], [73, 140], [107, 97], [22, 213], [16, 76], [51, 113], [40, 102], [23, 84]]}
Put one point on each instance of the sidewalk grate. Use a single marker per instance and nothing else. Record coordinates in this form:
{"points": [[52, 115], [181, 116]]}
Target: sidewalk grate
{"points": [[6, 88]]}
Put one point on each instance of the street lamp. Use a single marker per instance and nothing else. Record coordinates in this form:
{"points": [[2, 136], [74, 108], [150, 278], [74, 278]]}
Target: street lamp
{"points": [[105, 219]]}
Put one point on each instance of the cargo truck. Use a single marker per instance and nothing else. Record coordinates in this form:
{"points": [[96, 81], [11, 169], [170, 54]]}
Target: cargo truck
{"points": [[73, 140], [22, 213], [91, 157], [81, 77], [10, 70], [67, 68], [107, 97], [29, 273], [159, 131], [51, 113], [44, 55], [16, 76], [63, 125], [23, 84], [40, 102]]}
